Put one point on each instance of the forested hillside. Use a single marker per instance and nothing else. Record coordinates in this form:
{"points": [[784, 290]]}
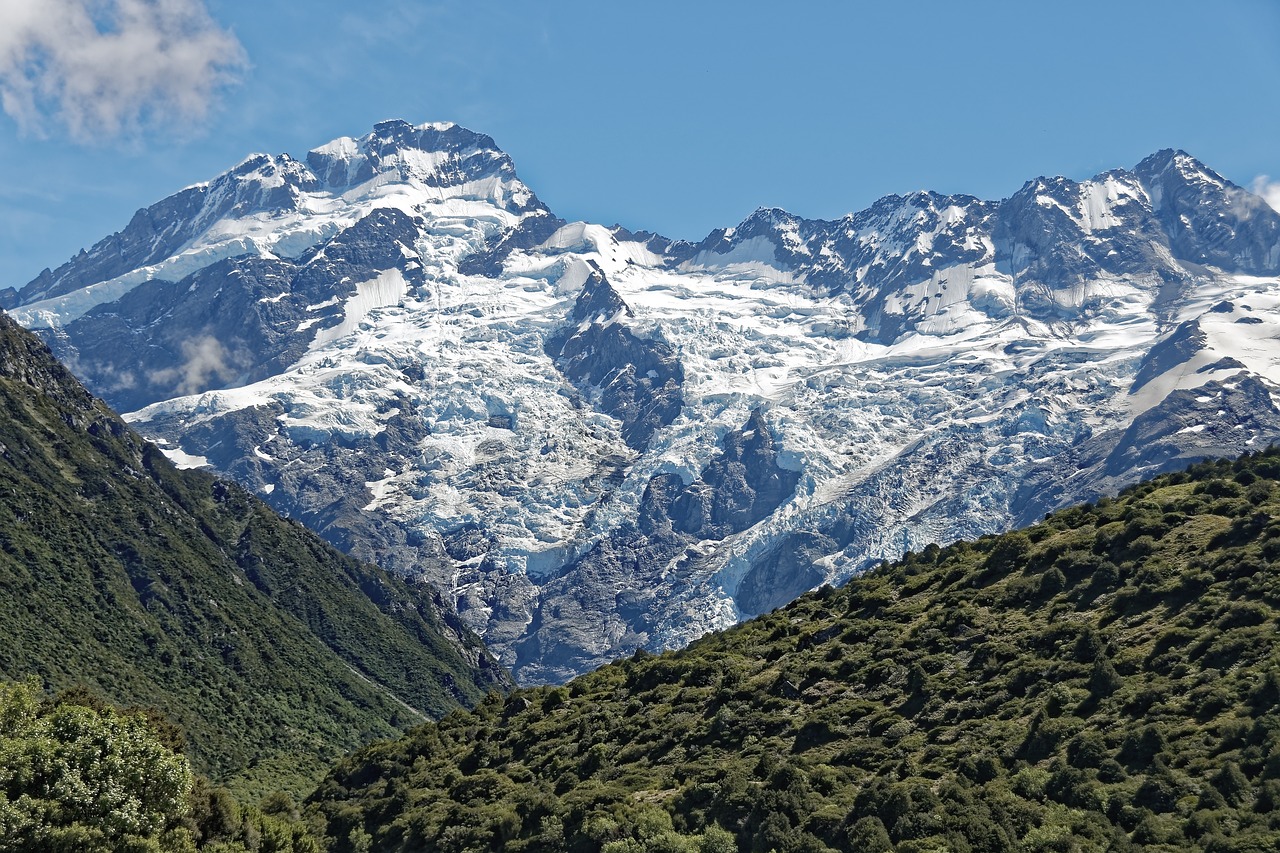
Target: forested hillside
{"points": [[1106, 679], [153, 586]]}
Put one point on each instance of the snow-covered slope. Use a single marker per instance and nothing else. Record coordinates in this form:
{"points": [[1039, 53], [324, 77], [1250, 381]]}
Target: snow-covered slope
{"points": [[595, 440]]}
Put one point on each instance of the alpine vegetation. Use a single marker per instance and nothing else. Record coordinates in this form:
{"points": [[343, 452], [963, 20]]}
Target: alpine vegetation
{"points": [[171, 590], [1107, 679]]}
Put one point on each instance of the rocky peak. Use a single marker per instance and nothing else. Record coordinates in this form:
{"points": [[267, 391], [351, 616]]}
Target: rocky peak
{"points": [[1208, 219], [261, 183], [270, 169], [1055, 233], [637, 380], [774, 225], [1176, 164], [598, 302], [766, 220], [444, 156]]}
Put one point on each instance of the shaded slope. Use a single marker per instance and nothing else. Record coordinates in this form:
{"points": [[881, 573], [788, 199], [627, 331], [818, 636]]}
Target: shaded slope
{"points": [[1107, 679], [171, 588]]}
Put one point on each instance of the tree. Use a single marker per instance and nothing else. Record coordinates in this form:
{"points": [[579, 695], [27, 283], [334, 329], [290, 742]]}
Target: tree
{"points": [[74, 777]]}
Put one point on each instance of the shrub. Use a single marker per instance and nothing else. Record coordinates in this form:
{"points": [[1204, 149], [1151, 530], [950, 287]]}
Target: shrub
{"points": [[87, 778]]}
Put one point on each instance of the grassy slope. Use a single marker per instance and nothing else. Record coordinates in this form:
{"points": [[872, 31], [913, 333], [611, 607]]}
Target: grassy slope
{"points": [[161, 587], [1107, 679]]}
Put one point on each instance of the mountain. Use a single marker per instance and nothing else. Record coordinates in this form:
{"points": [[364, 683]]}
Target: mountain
{"points": [[592, 440], [153, 586], [1107, 679]]}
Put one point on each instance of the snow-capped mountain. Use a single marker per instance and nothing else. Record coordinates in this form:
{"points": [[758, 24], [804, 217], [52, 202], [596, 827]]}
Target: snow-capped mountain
{"points": [[595, 440]]}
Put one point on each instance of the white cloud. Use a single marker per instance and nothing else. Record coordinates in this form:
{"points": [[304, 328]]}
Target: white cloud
{"points": [[1268, 189], [111, 67], [206, 361]]}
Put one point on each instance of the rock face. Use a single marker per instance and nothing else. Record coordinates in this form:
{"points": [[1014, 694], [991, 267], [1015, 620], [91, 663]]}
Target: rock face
{"points": [[654, 557], [593, 440], [633, 379]]}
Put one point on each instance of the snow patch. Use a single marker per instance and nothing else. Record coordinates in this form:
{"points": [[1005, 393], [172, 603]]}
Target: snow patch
{"points": [[389, 288], [181, 459]]}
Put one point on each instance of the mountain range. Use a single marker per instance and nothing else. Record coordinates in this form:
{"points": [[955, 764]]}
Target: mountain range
{"points": [[593, 441]]}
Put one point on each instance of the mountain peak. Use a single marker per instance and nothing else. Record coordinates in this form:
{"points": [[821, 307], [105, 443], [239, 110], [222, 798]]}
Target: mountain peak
{"points": [[764, 219], [447, 159], [1175, 161], [397, 145], [397, 124], [1209, 219]]}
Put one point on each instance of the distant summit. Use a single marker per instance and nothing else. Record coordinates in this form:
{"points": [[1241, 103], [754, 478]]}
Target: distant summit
{"points": [[283, 197], [443, 156]]}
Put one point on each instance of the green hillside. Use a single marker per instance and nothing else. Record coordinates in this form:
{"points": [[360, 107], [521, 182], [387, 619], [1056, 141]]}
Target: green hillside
{"points": [[158, 587], [1106, 680]]}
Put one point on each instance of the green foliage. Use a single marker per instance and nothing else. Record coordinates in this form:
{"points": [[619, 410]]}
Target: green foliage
{"points": [[84, 777], [77, 774], [171, 590], [1107, 679]]}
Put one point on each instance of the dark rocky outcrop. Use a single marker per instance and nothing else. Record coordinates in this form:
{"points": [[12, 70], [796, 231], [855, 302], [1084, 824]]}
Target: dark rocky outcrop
{"points": [[533, 229], [606, 603], [1177, 348], [737, 489], [636, 380], [1220, 418]]}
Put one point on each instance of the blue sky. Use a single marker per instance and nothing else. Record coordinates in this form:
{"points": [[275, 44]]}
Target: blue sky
{"points": [[672, 117]]}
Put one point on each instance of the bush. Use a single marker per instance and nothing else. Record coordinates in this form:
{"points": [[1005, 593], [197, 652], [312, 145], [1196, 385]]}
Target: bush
{"points": [[84, 778]]}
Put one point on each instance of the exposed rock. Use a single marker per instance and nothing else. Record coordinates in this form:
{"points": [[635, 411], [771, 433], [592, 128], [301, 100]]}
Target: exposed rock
{"points": [[636, 380]]}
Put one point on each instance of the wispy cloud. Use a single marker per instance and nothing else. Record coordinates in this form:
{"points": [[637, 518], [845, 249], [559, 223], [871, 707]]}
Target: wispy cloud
{"points": [[1268, 189], [103, 68], [206, 363]]}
